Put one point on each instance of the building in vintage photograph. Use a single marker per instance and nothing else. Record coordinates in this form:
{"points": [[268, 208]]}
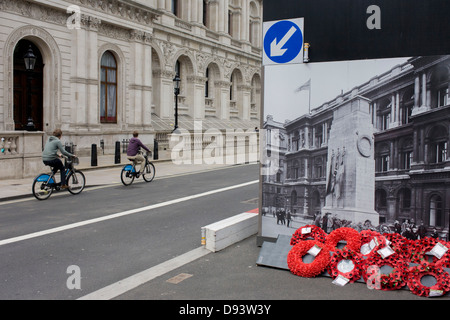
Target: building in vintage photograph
{"points": [[104, 68], [408, 111]]}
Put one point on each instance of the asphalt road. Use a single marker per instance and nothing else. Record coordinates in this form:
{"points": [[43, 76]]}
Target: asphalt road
{"points": [[41, 262]]}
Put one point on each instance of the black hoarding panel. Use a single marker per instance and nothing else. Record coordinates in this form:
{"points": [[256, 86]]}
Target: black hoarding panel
{"points": [[368, 29]]}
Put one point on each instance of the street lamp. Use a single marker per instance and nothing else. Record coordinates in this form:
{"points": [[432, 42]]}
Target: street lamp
{"points": [[176, 85], [30, 62]]}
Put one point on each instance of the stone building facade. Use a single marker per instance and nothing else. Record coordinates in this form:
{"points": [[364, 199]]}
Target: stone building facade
{"points": [[410, 114], [106, 67]]}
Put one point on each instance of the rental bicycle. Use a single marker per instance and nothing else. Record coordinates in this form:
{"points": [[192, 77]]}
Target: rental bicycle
{"points": [[45, 183], [129, 172]]}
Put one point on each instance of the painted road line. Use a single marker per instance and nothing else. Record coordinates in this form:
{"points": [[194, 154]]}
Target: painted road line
{"points": [[122, 214], [122, 286]]}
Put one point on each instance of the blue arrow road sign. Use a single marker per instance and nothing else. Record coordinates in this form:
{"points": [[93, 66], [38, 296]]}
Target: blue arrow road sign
{"points": [[283, 42]]}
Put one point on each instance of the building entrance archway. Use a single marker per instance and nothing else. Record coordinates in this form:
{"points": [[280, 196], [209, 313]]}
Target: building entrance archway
{"points": [[21, 87]]}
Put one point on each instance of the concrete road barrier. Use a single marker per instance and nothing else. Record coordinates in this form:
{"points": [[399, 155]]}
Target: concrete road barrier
{"points": [[219, 235]]}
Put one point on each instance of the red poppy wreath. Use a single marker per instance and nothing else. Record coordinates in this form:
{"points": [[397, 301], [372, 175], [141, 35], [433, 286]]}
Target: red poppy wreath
{"points": [[308, 232], [396, 279], [349, 235], [366, 237], [418, 251], [346, 255], [398, 243], [307, 270], [442, 277]]}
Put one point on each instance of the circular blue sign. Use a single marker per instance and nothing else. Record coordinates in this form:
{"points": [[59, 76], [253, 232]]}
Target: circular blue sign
{"points": [[283, 41]]}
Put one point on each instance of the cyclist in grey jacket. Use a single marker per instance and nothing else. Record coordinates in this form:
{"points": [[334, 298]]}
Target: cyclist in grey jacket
{"points": [[50, 155]]}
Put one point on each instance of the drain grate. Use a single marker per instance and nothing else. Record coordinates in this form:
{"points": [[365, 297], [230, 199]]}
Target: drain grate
{"points": [[181, 277]]}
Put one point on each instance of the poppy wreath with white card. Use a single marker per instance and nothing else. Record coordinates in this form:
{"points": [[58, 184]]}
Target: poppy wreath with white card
{"points": [[444, 254], [308, 270], [371, 241], [308, 232], [396, 279], [441, 287], [346, 263], [420, 248], [398, 243]]}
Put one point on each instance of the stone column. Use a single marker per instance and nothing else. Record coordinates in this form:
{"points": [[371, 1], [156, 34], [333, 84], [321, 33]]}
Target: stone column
{"points": [[84, 77], [223, 104], [197, 96], [140, 80], [245, 98]]}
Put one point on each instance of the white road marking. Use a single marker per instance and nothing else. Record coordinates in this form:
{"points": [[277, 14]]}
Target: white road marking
{"points": [[121, 214], [140, 278]]}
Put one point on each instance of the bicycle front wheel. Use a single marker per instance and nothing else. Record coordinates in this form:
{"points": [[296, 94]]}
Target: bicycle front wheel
{"points": [[76, 182], [41, 190], [149, 172], [127, 175]]}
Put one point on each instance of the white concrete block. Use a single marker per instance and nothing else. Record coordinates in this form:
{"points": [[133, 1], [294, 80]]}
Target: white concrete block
{"points": [[224, 233]]}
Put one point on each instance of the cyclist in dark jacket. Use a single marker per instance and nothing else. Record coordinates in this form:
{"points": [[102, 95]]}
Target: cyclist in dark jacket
{"points": [[50, 155], [133, 151]]}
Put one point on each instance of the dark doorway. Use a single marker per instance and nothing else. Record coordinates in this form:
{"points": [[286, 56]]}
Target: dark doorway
{"points": [[20, 87]]}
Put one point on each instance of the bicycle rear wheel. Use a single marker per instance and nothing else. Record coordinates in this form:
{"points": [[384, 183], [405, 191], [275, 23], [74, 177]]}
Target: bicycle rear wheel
{"points": [[41, 190], [76, 182], [149, 172], [127, 175]]}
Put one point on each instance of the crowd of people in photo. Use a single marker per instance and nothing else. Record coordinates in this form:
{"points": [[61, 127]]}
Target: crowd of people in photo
{"points": [[329, 222], [284, 217], [408, 228]]}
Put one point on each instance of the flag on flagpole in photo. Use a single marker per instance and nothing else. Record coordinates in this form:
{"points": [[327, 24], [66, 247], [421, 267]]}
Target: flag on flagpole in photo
{"points": [[305, 86]]}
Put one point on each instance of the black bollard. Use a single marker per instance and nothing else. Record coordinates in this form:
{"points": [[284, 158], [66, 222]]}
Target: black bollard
{"points": [[94, 155], [117, 153], [155, 150]]}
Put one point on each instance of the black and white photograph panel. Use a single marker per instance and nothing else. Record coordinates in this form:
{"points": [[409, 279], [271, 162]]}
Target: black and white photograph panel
{"points": [[361, 144]]}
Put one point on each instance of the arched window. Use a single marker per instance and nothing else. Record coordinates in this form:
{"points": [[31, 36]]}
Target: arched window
{"points": [[384, 113], [438, 144], [406, 154], [254, 24], [205, 13], [296, 170], [22, 87], [316, 201], [382, 158], [108, 94], [407, 105], [231, 88], [294, 198], [380, 200], [176, 7], [179, 73], [296, 141], [436, 211], [207, 83], [440, 87], [404, 196]]}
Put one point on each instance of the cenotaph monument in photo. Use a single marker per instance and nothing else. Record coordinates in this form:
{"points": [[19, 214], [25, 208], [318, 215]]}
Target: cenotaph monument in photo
{"points": [[351, 164]]}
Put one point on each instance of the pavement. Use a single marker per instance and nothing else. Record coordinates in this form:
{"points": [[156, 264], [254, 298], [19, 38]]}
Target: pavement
{"points": [[105, 173], [212, 279]]}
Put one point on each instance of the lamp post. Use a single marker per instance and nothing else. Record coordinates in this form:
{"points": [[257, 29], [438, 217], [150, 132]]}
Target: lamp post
{"points": [[176, 85], [30, 62]]}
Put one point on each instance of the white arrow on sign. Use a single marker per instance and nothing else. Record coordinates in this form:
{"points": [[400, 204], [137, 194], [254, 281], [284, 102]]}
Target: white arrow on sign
{"points": [[276, 49]]}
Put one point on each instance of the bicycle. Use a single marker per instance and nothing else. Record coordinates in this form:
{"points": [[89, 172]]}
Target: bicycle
{"points": [[129, 173], [44, 184]]}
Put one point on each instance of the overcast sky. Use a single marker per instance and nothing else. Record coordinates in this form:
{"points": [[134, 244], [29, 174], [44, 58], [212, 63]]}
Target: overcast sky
{"points": [[328, 79]]}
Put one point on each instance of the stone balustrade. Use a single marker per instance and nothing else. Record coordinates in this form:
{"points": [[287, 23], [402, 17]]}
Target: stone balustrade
{"points": [[20, 154]]}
